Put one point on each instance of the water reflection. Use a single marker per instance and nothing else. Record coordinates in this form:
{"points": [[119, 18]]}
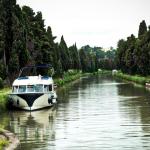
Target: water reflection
{"points": [[93, 113], [34, 129]]}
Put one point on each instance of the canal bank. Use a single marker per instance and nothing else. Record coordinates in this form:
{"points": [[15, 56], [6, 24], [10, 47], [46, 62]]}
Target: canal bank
{"points": [[73, 75], [8, 140], [133, 78]]}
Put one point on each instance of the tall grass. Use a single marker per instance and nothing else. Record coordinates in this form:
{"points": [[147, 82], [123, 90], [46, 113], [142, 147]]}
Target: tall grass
{"points": [[68, 77], [135, 78]]}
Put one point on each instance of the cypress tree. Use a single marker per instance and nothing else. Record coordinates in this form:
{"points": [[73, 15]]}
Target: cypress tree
{"points": [[2, 46], [65, 55], [129, 55], [75, 63], [9, 6], [52, 47], [142, 29], [84, 61], [121, 52]]}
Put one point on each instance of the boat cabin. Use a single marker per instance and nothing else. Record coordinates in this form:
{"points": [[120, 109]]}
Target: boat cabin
{"points": [[34, 79]]}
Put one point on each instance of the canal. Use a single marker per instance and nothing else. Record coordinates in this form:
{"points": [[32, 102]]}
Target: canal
{"points": [[98, 113]]}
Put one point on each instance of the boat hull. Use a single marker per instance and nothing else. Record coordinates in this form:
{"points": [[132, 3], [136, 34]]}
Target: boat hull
{"points": [[32, 101]]}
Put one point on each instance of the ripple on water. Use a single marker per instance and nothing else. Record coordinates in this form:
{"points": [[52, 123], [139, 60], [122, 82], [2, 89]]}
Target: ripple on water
{"points": [[96, 113]]}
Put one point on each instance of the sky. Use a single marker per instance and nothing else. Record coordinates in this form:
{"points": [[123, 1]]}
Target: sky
{"points": [[92, 22]]}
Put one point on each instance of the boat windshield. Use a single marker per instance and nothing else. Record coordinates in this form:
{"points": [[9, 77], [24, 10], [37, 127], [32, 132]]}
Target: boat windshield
{"points": [[35, 88], [22, 89], [39, 88], [32, 88], [43, 70]]}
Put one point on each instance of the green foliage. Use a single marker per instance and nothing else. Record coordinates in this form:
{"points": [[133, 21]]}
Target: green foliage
{"points": [[133, 54], [84, 61], [24, 40], [65, 55], [67, 77], [1, 83], [75, 59], [142, 29], [3, 98], [135, 78], [3, 143], [14, 63], [94, 58]]}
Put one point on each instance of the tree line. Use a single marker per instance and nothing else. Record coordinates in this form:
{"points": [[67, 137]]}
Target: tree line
{"points": [[24, 40], [133, 54], [97, 58]]}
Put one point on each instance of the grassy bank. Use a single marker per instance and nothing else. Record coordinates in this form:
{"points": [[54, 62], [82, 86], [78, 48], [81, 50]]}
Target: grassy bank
{"points": [[134, 78], [67, 77], [103, 72], [3, 143], [74, 75], [3, 98], [3, 140]]}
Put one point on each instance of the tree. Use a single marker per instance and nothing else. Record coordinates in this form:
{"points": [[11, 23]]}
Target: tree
{"points": [[83, 60], [129, 55], [142, 29], [120, 55], [74, 57], [8, 41], [133, 55], [52, 47], [65, 55]]}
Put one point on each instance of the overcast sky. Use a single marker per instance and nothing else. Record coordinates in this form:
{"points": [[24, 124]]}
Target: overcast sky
{"points": [[93, 22]]}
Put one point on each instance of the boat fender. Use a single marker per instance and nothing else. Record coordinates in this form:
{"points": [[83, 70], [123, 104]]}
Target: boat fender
{"points": [[54, 100], [50, 101]]}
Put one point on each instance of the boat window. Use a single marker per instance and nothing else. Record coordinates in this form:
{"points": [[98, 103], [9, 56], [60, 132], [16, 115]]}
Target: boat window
{"points": [[45, 88], [22, 88], [39, 88], [15, 89], [30, 88], [50, 87]]}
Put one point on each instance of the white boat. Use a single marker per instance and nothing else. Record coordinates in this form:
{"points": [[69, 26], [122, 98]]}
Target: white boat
{"points": [[34, 88]]}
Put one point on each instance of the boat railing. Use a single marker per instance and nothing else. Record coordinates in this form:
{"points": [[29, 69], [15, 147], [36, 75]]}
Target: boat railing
{"points": [[44, 70]]}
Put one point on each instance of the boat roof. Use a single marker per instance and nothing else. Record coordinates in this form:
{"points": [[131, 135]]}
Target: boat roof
{"points": [[33, 80]]}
